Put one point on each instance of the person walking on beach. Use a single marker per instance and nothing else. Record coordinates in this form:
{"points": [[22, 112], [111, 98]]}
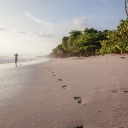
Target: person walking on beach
{"points": [[16, 58]]}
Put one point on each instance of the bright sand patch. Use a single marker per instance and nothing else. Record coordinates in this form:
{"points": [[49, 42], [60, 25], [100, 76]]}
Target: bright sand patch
{"points": [[72, 92]]}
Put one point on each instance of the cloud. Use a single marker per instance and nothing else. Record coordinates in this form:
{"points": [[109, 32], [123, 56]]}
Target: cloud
{"points": [[37, 34], [40, 34], [44, 35], [26, 33], [2, 29], [75, 24], [22, 32], [49, 29], [80, 23], [46, 25]]}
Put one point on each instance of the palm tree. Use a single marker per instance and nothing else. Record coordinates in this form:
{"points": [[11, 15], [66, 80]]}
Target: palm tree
{"points": [[126, 11]]}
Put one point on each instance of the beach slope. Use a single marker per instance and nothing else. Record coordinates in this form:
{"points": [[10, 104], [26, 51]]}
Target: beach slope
{"points": [[88, 92]]}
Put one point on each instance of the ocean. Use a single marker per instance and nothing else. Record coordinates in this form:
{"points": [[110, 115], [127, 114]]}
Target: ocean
{"points": [[10, 61], [12, 77]]}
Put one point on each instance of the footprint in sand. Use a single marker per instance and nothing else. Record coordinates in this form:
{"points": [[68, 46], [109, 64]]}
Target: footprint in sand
{"points": [[80, 100], [60, 79], [122, 57], [114, 91], [79, 127], [64, 86], [126, 91]]}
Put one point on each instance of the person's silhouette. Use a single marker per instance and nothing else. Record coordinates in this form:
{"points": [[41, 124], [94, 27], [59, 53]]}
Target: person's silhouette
{"points": [[16, 58]]}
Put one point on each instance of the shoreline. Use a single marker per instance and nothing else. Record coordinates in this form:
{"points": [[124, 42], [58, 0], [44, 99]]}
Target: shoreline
{"points": [[68, 93]]}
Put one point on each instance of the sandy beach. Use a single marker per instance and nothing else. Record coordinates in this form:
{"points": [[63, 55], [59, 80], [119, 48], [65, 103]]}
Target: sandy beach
{"points": [[84, 92]]}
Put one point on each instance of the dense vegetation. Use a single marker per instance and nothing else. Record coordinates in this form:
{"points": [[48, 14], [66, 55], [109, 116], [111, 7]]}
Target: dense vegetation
{"points": [[117, 41], [91, 42]]}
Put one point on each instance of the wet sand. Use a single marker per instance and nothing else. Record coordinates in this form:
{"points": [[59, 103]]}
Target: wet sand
{"points": [[89, 92]]}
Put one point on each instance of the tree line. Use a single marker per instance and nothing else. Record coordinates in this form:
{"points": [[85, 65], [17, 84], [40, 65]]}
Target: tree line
{"points": [[91, 41]]}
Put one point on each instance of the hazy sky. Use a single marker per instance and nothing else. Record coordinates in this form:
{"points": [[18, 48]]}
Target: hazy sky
{"points": [[37, 26]]}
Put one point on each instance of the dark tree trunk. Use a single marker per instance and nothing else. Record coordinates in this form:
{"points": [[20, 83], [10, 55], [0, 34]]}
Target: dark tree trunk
{"points": [[80, 53], [126, 8], [86, 53], [92, 52]]}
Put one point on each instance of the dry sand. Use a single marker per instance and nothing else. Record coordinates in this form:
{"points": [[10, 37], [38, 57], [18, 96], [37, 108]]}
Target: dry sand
{"points": [[89, 92]]}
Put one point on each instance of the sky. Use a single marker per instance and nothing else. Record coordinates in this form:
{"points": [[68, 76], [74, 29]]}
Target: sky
{"points": [[35, 27]]}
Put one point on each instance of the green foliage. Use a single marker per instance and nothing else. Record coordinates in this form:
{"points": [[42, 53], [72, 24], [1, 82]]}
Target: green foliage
{"points": [[58, 51], [64, 43], [72, 40], [80, 43], [117, 41], [91, 41]]}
